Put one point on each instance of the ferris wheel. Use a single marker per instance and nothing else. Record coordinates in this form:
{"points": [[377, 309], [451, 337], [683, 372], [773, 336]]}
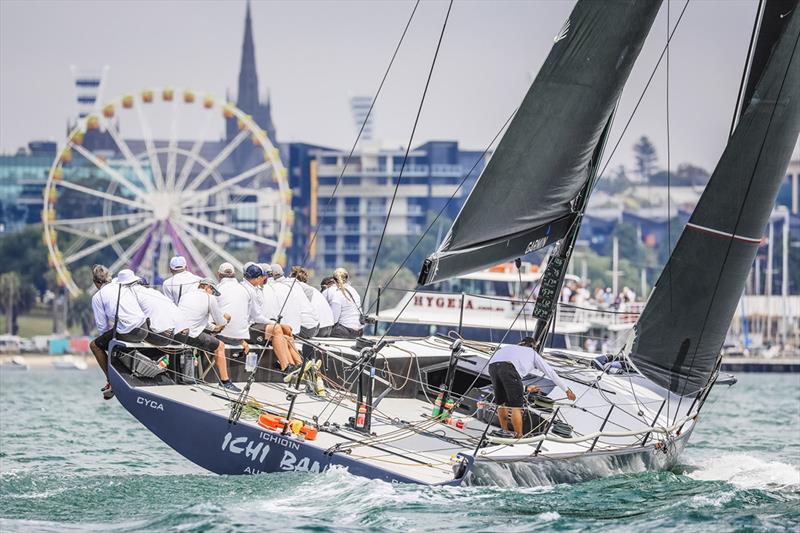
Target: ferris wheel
{"points": [[132, 201]]}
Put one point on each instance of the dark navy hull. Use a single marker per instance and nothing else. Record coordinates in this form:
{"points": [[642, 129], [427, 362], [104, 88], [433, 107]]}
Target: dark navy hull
{"points": [[210, 441]]}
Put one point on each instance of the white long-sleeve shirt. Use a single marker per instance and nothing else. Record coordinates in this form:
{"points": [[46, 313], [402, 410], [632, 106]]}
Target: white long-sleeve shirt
{"points": [[104, 305], [179, 284], [320, 305], [196, 309], [346, 309], [235, 301], [163, 314], [297, 296], [526, 360]]}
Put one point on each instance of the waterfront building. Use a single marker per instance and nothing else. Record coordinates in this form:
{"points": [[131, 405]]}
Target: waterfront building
{"points": [[350, 224], [22, 179]]}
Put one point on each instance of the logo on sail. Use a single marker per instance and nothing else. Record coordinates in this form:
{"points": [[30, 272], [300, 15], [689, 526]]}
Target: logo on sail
{"points": [[562, 32]]}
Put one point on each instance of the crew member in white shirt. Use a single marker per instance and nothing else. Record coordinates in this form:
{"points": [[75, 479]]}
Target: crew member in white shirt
{"points": [[181, 280], [318, 302], [508, 366], [263, 306], [127, 318], [309, 322], [345, 305], [197, 308], [235, 301], [162, 314]]}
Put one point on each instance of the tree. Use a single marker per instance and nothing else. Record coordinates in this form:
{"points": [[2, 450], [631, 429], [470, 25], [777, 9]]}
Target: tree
{"points": [[646, 158], [616, 183], [16, 296]]}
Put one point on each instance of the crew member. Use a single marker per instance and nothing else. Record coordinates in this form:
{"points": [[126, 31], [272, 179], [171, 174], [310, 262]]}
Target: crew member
{"points": [[234, 300], [345, 305], [162, 314], [197, 307], [297, 300], [181, 280], [508, 366], [318, 302], [115, 309], [263, 305]]}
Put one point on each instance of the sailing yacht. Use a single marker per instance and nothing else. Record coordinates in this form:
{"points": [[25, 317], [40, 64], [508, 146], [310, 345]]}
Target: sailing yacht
{"points": [[419, 410]]}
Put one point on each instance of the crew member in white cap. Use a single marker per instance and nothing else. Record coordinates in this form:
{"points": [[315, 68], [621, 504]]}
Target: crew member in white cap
{"points": [[235, 301], [181, 281], [200, 318], [127, 318]]}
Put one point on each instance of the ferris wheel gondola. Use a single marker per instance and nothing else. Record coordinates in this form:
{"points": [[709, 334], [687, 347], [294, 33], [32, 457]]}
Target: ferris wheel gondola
{"points": [[135, 202]]}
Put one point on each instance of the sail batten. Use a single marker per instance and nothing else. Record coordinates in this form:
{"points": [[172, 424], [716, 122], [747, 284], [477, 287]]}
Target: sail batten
{"points": [[678, 337], [542, 162]]}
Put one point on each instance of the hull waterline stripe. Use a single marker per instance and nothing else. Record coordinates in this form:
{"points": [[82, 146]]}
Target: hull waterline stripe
{"points": [[719, 233]]}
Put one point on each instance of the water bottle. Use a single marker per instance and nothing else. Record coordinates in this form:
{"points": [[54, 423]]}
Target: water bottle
{"points": [[250, 361]]}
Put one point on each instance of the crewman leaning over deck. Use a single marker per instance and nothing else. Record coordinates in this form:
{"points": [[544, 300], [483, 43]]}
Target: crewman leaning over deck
{"points": [[345, 304], [201, 317], [318, 302], [507, 367], [181, 280], [233, 300], [263, 304], [127, 318]]}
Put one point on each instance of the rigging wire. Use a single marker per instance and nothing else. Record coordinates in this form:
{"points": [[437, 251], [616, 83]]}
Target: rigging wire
{"points": [[408, 150]]}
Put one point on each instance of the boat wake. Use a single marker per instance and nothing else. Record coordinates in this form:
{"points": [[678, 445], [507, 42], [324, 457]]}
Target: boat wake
{"points": [[748, 472]]}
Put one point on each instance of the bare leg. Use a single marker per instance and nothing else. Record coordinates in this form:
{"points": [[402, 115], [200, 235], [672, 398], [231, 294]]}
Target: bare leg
{"points": [[100, 355], [502, 414], [222, 364], [516, 421], [279, 346]]}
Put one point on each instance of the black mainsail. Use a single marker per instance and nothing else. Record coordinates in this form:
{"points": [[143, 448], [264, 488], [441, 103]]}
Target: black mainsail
{"points": [[680, 333], [524, 200]]}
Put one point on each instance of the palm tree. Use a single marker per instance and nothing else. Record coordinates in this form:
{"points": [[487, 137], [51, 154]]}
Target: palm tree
{"points": [[10, 297]]}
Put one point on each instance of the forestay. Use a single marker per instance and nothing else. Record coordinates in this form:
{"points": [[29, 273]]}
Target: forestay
{"points": [[679, 336], [523, 200]]}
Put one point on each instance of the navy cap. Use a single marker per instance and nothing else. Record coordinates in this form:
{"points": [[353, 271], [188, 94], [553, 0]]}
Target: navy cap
{"points": [[253, 271]]}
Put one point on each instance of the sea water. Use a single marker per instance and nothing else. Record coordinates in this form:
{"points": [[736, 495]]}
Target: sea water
{"points": [[70, 461]]}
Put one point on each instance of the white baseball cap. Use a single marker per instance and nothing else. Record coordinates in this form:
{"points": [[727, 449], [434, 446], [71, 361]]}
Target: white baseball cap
{"points": [[226, 268], [127, 277], [177, 262]]}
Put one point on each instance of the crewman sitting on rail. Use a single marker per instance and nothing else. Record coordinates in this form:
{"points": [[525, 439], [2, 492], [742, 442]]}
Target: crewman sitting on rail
{"points": [[196, 309], [234, 300], [263, 304], [345, 304], [508, 366], [162, 314], [296, 309], [115, 308], [318, 302], [181, 280]]}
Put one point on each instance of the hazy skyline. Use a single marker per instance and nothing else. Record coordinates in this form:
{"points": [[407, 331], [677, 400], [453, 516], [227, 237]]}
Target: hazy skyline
{"points": [[312, 55]]}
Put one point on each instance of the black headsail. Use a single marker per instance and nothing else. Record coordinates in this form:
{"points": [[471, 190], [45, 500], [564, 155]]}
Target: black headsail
{"points": [[680, 333], [524, 199]]}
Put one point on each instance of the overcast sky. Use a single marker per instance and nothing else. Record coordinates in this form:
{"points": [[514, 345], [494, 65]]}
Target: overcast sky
{"points": [[313, 55]]}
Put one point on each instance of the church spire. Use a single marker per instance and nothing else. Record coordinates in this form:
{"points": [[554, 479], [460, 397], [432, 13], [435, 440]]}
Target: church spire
{"points": [[247, 99]]}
